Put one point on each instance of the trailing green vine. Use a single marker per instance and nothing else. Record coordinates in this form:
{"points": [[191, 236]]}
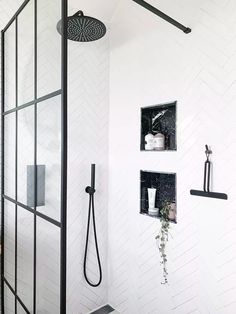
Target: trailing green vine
{"points": [[162, 238]]}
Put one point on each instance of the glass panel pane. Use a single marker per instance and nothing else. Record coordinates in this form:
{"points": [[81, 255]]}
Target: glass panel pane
{"points": [[20, 309], [25, 254], [9, 175], [10, 68], [25, 151], [49, 47], [9, 242], [48, 267], [9, 300], [26, 54], [49, 153]]}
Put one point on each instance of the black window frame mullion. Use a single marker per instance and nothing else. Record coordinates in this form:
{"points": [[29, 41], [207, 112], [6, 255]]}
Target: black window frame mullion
{"points": [[2, 162], [31, 103], [31, 210], [64, 152], [35, 154], [16, 157]]}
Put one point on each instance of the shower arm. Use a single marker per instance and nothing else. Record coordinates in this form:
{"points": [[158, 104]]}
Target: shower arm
{"points": [[162, 15]]}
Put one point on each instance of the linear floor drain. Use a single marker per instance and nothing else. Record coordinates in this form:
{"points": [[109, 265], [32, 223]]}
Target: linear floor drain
{"points": [[104, 310]]}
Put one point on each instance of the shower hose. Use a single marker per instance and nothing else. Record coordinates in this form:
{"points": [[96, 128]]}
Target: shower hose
{"points": [[92, 211]]}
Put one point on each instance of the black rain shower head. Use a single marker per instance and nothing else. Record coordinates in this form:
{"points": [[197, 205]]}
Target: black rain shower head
{"points": [[83, 28]]}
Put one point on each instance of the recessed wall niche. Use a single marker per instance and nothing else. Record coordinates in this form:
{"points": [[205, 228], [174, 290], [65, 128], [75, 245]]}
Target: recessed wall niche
{"points": [[158, 128], [156, 188]]}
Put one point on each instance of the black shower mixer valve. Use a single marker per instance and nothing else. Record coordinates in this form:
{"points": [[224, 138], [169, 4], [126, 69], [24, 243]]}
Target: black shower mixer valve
{"points": [[90, 190]]}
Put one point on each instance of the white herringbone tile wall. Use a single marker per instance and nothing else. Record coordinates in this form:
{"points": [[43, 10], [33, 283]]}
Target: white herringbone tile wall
{"points": [[88, 143], [151, 63]]}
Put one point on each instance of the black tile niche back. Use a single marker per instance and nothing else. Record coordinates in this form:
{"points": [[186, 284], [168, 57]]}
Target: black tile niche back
{"points": [[158, 127], [164, 185]]}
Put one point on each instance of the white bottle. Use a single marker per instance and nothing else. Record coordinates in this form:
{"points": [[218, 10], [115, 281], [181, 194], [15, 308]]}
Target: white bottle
{"points": [[149, 141], [159, 141], [151, 201]]}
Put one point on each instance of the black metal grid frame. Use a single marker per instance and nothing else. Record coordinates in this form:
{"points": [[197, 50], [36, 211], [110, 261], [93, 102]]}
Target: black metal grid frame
{"points": [[34, 103]]}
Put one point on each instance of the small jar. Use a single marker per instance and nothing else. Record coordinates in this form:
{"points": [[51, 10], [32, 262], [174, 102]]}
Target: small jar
{"points": [[159, 141]]}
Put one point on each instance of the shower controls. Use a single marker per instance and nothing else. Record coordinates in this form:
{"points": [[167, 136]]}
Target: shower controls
{"points": [[90, 190], [91, 216]]}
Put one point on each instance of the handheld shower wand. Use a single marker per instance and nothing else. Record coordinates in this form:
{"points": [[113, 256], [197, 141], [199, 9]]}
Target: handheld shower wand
{"points": [[91, 190]]}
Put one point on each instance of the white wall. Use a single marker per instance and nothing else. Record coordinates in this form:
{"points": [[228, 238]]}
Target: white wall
{"points": [[88, 143], [151, 63]]}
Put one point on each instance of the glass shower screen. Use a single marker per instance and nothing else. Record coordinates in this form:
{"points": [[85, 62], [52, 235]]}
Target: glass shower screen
{"points": [[34, 159]]}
